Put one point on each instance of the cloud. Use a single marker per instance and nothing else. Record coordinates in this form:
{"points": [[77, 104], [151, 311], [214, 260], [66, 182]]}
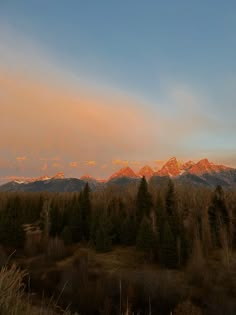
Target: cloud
{"points": [[159, 162], [136, 163], [51, 115], [50, 159], [57, 165], [44, 167], [90, 163], [120, 162], [21, 158], [73, 164]]}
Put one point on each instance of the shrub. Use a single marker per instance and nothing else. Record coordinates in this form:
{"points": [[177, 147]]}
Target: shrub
{"points": [[187, 308], [56, 248]]}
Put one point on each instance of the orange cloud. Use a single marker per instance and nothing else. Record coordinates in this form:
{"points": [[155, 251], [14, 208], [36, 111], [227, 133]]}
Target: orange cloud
{"points": [[56, 165], [73, 164], [120, 162], [50, 159], [159, 161], [44, 167], [21, 158], [135, 163], [90, 163], [57, 119]]}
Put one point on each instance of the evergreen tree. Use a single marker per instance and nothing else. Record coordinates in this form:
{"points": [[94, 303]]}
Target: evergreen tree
{"points": [[218, 216], [103, 239], [95, 221], [66, 235], [116, 212], [169, 254], [75, 221], [11, 224], [160, 221], [85, 209], [45, 219], [143, 200], [170, 201], [146, 238], [129, 231], [56, 221]]}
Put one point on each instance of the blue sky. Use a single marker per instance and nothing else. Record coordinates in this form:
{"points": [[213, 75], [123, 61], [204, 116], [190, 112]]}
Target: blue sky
{"points": [[174, 58]]}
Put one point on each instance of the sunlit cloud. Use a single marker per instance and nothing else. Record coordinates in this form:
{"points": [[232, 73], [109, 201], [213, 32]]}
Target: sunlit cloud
{"points": [[159, 162], [90, 163], [120, 162], [44, 167], [73, 164], [50, 159], [50, 116], [21, 158], [57, 165], [136, 163]]}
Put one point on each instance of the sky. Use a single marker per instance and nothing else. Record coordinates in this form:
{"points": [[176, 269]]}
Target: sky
{"points": [[87, 87]]}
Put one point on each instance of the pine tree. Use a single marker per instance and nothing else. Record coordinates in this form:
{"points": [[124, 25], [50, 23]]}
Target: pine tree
{"points": [[128, 231], [56, 221], [75, 221], [143, 200], [45, 219], [66, 236], [160, 222], [170, 201], [85, 208], [169, 254], [95, 221], [11, 224], [218, 216], [146, 238], [103, 239]]}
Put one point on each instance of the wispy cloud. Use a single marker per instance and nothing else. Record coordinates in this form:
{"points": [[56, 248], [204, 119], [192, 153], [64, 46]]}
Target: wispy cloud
{"points": [[50, 116], [44, 167], [120, 162], [73, 164], [21, 158], [90, 163]]}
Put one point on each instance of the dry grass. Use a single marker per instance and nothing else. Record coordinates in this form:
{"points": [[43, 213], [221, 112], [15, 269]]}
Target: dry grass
{"points": [[14, 300]]}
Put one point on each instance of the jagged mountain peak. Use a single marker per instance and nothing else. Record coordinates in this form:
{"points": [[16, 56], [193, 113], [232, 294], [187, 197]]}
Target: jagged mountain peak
{"points": [[146, 171], [124, 172], [205, 166], [88, 178], [187, 165], [59, 175], [171, 168]]}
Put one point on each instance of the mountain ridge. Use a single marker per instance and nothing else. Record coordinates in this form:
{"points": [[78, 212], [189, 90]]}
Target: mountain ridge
{"points": [[202, 172]]}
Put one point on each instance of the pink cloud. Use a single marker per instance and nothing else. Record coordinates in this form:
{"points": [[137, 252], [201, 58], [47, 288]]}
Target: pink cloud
{"points": [[73, 164], [90, 163], [21, 158], [120, 162], [44, 167]]}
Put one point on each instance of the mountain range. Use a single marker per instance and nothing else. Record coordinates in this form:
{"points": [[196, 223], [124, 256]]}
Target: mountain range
{"points": [[203, 173]]}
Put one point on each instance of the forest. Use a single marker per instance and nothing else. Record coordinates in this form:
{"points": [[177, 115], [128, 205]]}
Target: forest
{"points": [[144, 249]]}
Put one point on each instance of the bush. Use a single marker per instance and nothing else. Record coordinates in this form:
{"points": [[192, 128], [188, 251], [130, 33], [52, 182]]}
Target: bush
{"points": [[13, 299], [56, 248], [187, 308]]}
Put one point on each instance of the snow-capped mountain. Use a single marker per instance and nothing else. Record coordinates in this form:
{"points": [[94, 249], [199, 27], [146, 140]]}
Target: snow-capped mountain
{"points": [[26, 180], [204, 166], [171, 168], [203, 173]]}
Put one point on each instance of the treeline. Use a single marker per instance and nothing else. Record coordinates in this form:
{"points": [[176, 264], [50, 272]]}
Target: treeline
{"points": [[167, 223]]}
